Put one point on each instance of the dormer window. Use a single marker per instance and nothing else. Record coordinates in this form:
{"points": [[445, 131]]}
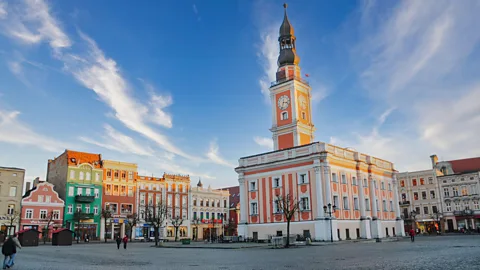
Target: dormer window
{"points": [[284, 116]]}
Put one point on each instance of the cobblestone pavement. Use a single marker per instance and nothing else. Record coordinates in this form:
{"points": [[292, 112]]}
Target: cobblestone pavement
{"points": [[443, 252]]}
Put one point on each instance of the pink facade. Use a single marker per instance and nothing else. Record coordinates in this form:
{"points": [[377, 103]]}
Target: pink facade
{"points": [[39, 205]]}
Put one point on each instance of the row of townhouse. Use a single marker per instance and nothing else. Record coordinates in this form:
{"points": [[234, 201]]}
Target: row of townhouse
{"points": [[443, 198]]}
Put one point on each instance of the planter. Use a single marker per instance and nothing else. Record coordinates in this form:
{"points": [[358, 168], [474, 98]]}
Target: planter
{"points": [[185, 241]]}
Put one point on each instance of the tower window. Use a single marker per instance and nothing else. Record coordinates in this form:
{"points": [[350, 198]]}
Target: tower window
{"points": [[304, 115], [284, 115]]}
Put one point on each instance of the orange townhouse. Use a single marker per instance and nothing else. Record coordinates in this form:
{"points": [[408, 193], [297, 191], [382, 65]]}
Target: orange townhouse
{"points": [[343, 194]]}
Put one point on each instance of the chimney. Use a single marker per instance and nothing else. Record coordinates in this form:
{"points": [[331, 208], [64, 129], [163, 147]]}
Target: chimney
{"points": [[434, 159]]}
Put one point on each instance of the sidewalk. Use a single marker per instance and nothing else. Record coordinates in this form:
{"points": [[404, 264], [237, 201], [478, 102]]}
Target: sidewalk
{"points": [[204, 245]]}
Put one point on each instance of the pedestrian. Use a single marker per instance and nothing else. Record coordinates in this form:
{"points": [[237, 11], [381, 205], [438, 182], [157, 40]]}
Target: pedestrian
{"points": [[412, 235], [119, 241], [125, 240], [8, 250]]}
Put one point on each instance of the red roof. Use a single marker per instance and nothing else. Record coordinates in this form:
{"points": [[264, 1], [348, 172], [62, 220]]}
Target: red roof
{"points": [[234, 195], [60, 230], [465, 165], [26, 230]]}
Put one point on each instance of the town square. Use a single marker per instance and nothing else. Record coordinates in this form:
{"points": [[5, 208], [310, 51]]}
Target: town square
{"points": [[250, 134]]}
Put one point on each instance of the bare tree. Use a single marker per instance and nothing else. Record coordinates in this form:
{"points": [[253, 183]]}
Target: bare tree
{"points": [[13, 218], [176, 220], [132, 223], [288, 206], [106, 214], [49, 219], [438, 218], [156, 215], [77, 218]]}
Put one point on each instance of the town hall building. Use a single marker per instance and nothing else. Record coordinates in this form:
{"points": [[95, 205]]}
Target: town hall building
{"points": [[360, 189]]}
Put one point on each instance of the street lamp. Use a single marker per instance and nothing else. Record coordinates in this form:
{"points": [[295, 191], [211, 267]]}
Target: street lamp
{"points": [[330, 210], [195, 222], [413, 214], [223, 229]]}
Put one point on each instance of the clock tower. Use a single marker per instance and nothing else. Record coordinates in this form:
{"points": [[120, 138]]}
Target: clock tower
{"points": [[290, 94]]}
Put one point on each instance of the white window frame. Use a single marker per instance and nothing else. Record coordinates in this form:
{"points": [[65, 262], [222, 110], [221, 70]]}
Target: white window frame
{"points": [[72, 174], [306, 179], [48, 199], [391, 206], [356, 205], [56, 214], [70, 209], [284, 116], [335, 201], [88, 176], [344, 178], [302, 208], [71, 191], [40, 199], [28, 211], [97, 177], [13, 188], [81, 176], [334, 177], [79, 191], [97, 193], [87, 208], [367, 204], [43, 211], [255, 185], [95, 210], [253, 210], [354, 181], [345, 203], [276, 206], [79, 207], [448, 206], [12, 209], [365, 182]]}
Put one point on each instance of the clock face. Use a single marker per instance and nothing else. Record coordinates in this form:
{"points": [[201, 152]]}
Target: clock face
{"points": [[303, 102], [283, 102]]}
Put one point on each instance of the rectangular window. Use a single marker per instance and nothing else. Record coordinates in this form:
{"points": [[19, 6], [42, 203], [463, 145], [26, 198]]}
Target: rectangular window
{"points": [[446, 192], [207, 215], [276, 206], [430, 180], [194, 215], [130, 175], [97, 177], [13, 191], [417, 210], [95, 210], [80, 175], [383, 185], [276, 182], [434, 209], [70, 191], [334, 177], [455, 191], [88, 176], [116, 174], [367, 204], [130, 191], [402, 183], [43, 214], [29, 214], [142, 198], [464, 191], [126, 208], [87, 191], [424, 195], [376, 204], [390, 186], [425, 210], [87, 209], [207, 202], [457, 206], [113, 207], [56, 214], [354, 181], [79, 208], [224, 203], [254, 208], [72, 175], [169, 202], [355, 203], [40, 198], [414, 182], [391, 206], [384, 206], [475, 205], [422, 181], [304, 115], [284, 116], [97, 193], [115, 190], [11, 209], [124, 175], [48, 199], [448, 206], [345, 203], [79, 191], [415, 196], [344, 179], [303, 179], [432, 194], [70, 209], [123, 191], [336, 203], [304, 205], [201, 215], [253, 186], [365, 182], [108, 189]]}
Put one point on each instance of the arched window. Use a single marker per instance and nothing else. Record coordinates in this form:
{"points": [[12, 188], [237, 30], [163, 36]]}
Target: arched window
{"points": [[81, 176]]}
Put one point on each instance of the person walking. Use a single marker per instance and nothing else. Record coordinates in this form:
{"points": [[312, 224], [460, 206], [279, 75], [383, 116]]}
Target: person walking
{"points": [[125, 240], [119, 241], [8, 249], [412, 235]]}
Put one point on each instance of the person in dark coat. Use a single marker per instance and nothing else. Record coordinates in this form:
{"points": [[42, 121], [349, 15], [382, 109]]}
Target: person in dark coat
{"points": [[119, 241], [8, 250], [412, 235], [125, 240]]}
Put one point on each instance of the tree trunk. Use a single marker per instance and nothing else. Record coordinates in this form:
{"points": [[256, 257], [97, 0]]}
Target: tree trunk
{"points": [[156, 235], [288, 234], [176, 233], [105, 230]]}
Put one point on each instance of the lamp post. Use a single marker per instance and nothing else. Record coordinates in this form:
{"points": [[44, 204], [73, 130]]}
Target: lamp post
{"points": [[223, 229], [413, 214], [329, 211]]}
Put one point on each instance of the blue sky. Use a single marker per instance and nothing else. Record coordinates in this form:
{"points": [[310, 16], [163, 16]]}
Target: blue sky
{"points": [[179, 86]]}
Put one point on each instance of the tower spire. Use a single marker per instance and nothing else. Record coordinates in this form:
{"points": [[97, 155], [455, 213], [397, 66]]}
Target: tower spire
{"points": [[286, 39]]}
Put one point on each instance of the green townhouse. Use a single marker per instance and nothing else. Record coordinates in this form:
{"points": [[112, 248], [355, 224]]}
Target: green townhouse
{"points": [[77, 177]]}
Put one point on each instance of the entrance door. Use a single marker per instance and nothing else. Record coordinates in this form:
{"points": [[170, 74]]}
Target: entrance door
{"points": [[386, 232], [255, 236], [358, 233], [347, 232], [450, 225]]}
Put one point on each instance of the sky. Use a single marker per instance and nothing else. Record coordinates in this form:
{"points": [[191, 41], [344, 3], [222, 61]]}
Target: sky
{"points": [[182, 86]]}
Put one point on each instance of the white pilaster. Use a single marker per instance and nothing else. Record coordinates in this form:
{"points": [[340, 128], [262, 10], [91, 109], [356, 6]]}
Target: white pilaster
{"points": [[326, 178], [243, 199], [111, 231], [365, 232], [122, 230], [373, 197], [102, 228], [319, 191], [395, 197]]}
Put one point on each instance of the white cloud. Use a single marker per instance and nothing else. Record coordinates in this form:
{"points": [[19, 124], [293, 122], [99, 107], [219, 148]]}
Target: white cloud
{"points": [[15, 67], [15, 132], [195, 10], [3, 10], [264, 142], [117, 141], [267, 55], [32, 23], [158, 103], [214, 155], [418, 58]]}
